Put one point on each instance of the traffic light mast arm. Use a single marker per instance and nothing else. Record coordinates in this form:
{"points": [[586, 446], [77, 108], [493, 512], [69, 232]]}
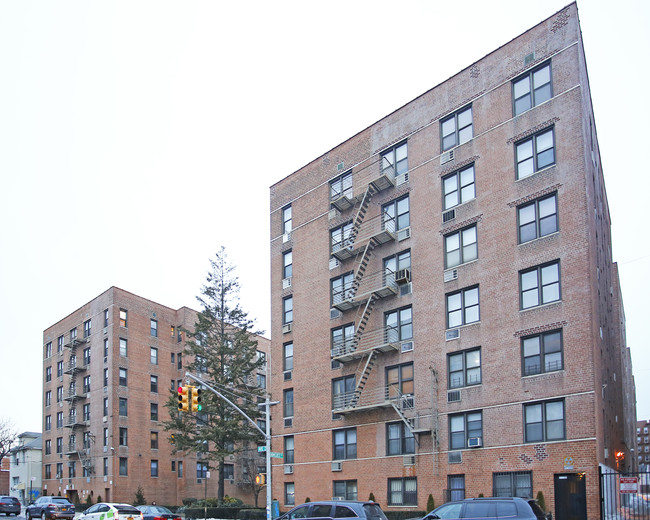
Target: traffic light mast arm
{"points": [[199, 380]]}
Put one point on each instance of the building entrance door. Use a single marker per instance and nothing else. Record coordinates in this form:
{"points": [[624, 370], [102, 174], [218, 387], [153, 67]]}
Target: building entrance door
{"points": [[570, 496]]}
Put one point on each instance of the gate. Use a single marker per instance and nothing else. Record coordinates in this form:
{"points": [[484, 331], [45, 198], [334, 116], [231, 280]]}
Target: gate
{"points": [[624, 496]]}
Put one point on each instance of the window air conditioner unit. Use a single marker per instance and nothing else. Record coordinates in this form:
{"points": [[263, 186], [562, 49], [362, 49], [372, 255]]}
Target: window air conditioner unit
{"points": [[407, 346], [448, 215], [403, 276], [453, 396], [474, 442], [287, 327], [334, 313], [334, 263], [337, 466], [288, 422], [452, 334], [333, 214], [409, 460], [288, 469], [455, 457], [287, 375], [286, 282], [403, 234], [447, 156], [450, 274], [403, 178], [405, 289], [286, 237]]}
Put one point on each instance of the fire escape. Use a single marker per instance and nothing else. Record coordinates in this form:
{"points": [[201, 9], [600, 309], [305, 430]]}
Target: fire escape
{"points": [[362, 293], [77, 394]]}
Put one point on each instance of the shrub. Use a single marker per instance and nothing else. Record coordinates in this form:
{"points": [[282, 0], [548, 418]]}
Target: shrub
{"points": [[371, 497], [540, 500], [431, 503], [139, 497]]}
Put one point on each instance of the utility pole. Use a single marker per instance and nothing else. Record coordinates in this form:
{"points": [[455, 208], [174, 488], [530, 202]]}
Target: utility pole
{"points": [[266, 434]]}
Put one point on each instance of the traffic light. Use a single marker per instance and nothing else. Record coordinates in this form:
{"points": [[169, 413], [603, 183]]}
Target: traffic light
{"points": [[196, 400], [183, 399], [260, 479]]}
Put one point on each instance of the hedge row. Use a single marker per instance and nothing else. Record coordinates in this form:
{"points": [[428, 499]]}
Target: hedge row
{"points": [[226, 513]]}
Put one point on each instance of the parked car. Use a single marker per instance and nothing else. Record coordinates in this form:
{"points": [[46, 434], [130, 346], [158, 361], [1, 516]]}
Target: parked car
{"points": [[336, 509], [48, 508], [106, 510], [9, 505], [488, 508], [157, 513]]}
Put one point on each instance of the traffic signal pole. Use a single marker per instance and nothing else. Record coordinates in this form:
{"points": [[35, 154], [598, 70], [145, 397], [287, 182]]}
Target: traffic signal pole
{"points": [[266, 434]]}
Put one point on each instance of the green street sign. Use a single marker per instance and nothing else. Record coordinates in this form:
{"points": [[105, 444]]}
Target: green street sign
{"points": [[260, 449], [277, 455]]}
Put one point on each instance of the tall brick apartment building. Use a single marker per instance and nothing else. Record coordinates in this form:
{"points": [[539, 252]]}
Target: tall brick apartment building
{"points": [[446, 315], [109, 368]]}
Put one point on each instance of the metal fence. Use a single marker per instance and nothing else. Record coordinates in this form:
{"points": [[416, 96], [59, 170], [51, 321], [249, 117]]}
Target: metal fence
{"points": [[624, 496]]}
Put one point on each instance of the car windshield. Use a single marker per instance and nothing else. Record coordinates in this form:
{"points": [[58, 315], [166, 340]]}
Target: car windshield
{"points": [[373, 512]]}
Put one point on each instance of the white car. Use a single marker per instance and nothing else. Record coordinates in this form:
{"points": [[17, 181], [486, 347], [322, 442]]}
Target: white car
{"points": [[108, 510]]}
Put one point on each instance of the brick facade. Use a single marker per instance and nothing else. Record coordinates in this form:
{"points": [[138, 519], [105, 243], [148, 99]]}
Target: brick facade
{"points": [[589, 384]]}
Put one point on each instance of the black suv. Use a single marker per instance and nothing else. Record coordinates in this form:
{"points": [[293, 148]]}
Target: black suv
{"points": [[489, 509], [48, 508], [336, 509], [9, 505]]}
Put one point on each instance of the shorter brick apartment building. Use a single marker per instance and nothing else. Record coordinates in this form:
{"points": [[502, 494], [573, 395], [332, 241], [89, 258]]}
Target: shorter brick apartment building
{"points": [[109, 368], [446, 314]]}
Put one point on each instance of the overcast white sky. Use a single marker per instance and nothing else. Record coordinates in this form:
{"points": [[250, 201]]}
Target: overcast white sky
{"points": [[136, 137]]}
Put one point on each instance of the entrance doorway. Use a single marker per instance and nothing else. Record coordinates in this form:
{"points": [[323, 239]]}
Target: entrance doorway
{"points": [[570, 496]]}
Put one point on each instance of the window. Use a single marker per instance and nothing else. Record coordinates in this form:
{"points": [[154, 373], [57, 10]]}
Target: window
{"points": [[394, 162], [86, 356], [288, 403], [123, 320], [261, 381], [123, 407], [465, 426], [59, 418], [456, 487], [48, 471], [287, 264], [535, 153], [87, 328], [48, 349], [341, 288], [153, 411], [105, 437], [59, 344], [124, 468], [544, 421], [342, 392], [396, 263], [123, 347], [59, 369], [59, 394], [344, 444], [124, 437], [86, 384], [106, 347], [464, 368], [59, 444], [396, 214], [340, 237], [458, 187], [287, 224], [179, 358], [287, 310], [537, 219], [461, 247], [345, 489], [154, 440], [48, 447], [341, 186], [229, 471], [72, 469], [403, 491], [342, 339], [539, 285], [153, 356], [542, 353], [399, 325], [287, 357], [48, 398], [399, 381], [48, 374], [532, 89], [153, 386], [463, 307], [86, 412], [105, 407], [105, 377], [123, 377], [512, 484], [456, 129], [106, 318], [289, 450], [289, 493], [399, 439], [73, 335]]}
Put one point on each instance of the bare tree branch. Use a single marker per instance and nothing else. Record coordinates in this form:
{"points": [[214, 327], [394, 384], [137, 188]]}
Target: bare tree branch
{"points": [[8, 437]]}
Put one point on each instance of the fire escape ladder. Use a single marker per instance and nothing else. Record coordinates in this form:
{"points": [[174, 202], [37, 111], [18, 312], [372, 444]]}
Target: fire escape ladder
{"points": [[403, 405], [361, 212], [363, 322], [363, 260], [363, 379]]}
